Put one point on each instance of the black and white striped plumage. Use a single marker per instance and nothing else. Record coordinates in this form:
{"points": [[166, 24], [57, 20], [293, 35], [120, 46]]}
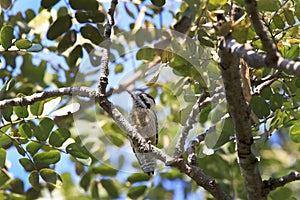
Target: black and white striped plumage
{"points": [[144, 118]]}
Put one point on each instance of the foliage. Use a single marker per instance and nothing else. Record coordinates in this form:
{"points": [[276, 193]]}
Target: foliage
{"points": [[54, 45]]}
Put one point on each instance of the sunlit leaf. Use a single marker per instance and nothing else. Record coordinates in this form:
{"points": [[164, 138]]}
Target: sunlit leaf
{"points": [[37, 108], [59, 136], [137, 191], [44, 128], [25, 130], [75, 150], [137, 177], [110, 187], [26, 164], [23, 44], [34, 180], [44, 159], [295, 133], [51, 177], [6, 36], [105, 170], [2, 157]]}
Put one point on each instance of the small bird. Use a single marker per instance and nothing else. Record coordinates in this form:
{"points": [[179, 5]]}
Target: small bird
{"points": [[144, 118]]}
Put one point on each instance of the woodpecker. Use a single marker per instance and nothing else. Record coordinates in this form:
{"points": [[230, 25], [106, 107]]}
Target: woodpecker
{"points": [[143, 117]]}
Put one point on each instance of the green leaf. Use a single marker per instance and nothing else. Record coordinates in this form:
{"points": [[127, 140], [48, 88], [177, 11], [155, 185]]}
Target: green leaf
{"points": [[60, 26], [281, 193], [44, 128], [119, 68], [6, 36], [146, 53], [91, 33], [288, 14], [21, 111], [3, 178], [7, 113], [37, 108], [293, 52], [93, 16], [137, 177], [51, 177], [34, 180], [276, 101], [25, 130], [67, 41], [85, 181], [59, 136], [217, 2], [135, 192], [260, 107], [16, 186], [158, 3], [27, 164], [23, 44], [75, 54], [95, 190], [7, 86], [5, 3], [75, 150], [84, 4], [44, 159], [105, 170], [48, 3], [2, 157], [110, 187], [295, 133], [4, 140], [265, 5], [278, 21], [33, 147]]}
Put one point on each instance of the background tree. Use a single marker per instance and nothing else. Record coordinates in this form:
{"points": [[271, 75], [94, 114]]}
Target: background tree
{"points": [[67, 64]]}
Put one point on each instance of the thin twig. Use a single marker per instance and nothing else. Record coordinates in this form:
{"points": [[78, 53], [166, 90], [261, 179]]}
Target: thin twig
{"points": [[274, 183], [29, 100], [179, 148]]}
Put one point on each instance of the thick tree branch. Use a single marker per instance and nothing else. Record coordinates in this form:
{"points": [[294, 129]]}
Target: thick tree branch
{"points": [[272, 56], [256, 60], [274, 183], [240, 113], [201, 179], [29, 100]]}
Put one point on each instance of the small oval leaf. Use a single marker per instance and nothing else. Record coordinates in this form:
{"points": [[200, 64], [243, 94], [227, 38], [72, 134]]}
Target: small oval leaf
{"points": [[6, 36], [23, 44], [60, 26], [45, 159]]}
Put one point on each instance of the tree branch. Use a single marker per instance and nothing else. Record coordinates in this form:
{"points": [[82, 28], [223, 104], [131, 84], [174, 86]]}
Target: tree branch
{"points": [[179, 148], [256, 60], [195, 173], [240, 113], [29, 100], [103, 81], [272, 56], [274, 183]]}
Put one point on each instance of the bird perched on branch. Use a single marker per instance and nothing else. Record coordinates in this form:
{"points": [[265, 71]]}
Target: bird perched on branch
{"points": [[144, 118]]}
